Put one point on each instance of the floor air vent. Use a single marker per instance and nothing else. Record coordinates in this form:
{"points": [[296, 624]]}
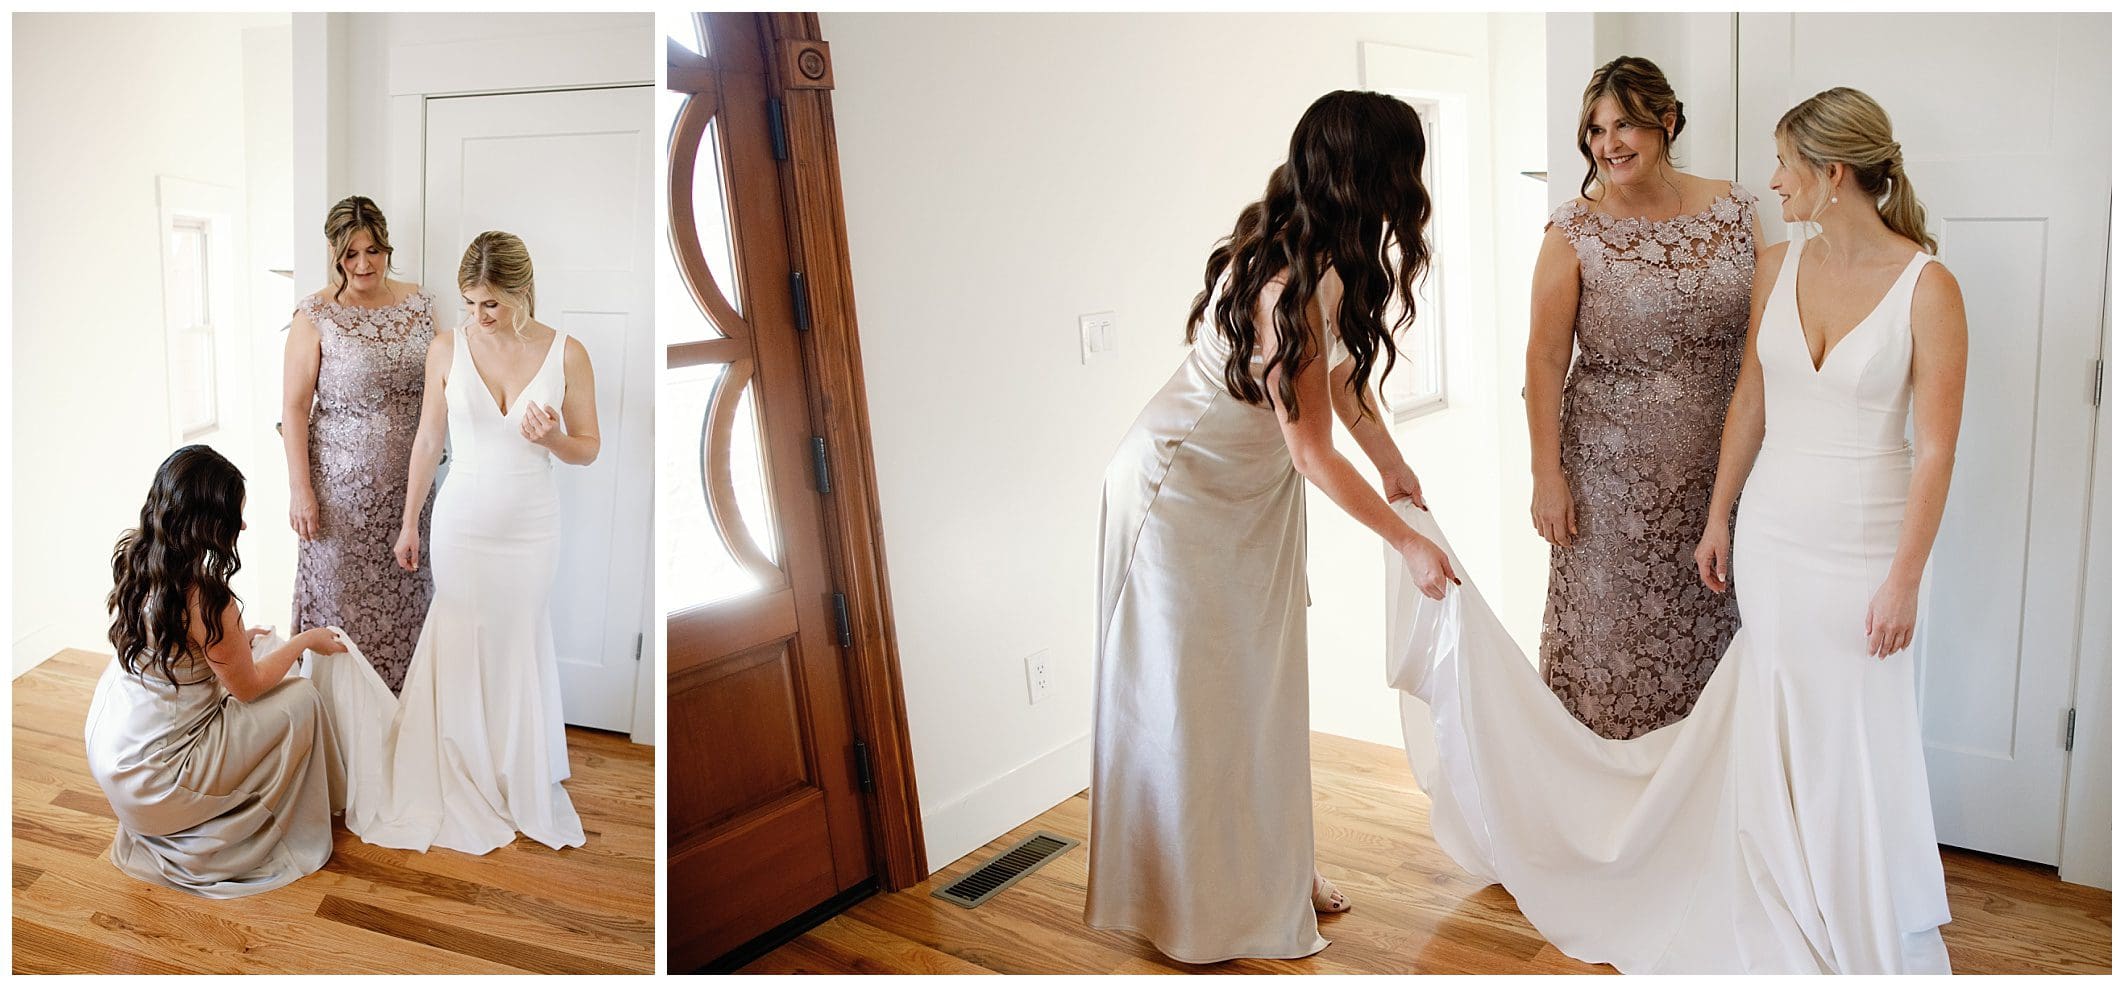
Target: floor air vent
{"points": [[989, 879]]}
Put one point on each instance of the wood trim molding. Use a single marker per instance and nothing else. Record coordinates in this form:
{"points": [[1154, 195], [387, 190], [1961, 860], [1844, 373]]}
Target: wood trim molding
{"points": [[812, 194], [803, 64]]}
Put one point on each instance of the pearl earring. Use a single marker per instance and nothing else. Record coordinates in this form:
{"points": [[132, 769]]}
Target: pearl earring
{"points": [[1832, 200]]}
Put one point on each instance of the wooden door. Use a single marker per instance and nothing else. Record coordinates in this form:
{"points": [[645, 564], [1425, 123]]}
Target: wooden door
{"points": [[2023, 223], [567, 172], [772, 647]]}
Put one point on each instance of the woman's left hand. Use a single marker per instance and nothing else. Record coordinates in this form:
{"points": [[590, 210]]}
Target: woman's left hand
{"points": [[1891, 619], [1399, 481], [541, 423]]}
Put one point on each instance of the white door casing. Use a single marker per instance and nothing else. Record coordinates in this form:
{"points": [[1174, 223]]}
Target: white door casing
{"points": [[572, 173], [2004, 122]]}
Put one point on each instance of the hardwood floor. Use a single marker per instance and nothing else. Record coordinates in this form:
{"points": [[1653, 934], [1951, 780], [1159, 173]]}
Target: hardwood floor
{"points": [[523, 908], [1415, 912]]}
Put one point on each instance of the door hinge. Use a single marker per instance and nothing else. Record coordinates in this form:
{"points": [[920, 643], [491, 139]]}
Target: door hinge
{"points": [[820, 479], [2071, 718], [638, 647], [800, 300], [840, 619], [778, 126], [863, 776], [2098, 383]]}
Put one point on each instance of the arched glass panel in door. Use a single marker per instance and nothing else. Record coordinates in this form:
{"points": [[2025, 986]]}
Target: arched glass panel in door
{"points": [[719, 533]]}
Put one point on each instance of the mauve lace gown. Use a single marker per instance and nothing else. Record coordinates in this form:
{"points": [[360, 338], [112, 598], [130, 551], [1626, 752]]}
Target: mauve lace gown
{"points": [[370, 374], [1630, 635]]}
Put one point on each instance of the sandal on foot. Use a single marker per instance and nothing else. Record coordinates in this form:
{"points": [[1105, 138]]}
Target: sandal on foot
{"points": [[1328, 899]]}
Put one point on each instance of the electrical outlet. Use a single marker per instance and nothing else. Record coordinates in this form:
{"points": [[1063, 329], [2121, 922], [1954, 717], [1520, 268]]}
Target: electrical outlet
{"points": [[1036, 677], [1096, 336]]}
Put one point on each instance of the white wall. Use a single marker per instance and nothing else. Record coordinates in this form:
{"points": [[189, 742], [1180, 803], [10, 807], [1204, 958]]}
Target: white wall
{"points": [[90, 385], [1006, 173], [363, 84], [269, 158]]}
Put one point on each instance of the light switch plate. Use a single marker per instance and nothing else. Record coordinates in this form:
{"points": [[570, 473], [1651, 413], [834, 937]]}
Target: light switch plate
{"points": [[1096, 337]]}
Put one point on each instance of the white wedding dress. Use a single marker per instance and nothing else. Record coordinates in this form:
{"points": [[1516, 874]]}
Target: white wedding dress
{"points": [[472, 750], [1784, 826]]}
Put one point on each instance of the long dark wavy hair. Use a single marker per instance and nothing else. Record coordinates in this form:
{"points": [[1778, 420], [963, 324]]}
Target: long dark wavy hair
{"points": [[185, 545], [1350, 199]]}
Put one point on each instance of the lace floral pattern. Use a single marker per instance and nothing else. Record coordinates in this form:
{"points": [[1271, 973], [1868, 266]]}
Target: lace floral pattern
{"points": [[1630, 636], [370, 376]]}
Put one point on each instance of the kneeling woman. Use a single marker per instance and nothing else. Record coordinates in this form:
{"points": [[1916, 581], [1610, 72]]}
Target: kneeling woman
{"points": [[222, 770]]}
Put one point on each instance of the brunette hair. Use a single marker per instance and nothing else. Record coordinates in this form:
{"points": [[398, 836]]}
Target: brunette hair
{"points": [[351, 215], [183, 551], [1641, 92], [1348, 199]]}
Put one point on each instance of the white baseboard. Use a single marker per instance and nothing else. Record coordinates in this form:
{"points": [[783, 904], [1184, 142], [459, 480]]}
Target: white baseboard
{"points": [[35, 645], [968, 823]]}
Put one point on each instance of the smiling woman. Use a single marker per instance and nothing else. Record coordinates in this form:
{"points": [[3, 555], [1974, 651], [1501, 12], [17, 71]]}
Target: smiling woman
{"points": [[1645, 277], [223, 781], [351, 394]]}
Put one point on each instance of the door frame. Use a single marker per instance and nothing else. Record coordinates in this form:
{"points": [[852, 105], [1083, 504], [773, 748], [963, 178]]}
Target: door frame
{"points": [[800, 75]]}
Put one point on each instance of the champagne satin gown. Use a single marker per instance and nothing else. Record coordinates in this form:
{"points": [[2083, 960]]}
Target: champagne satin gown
{"points": [[1201, 796], [214, 796], [1784, 825]]}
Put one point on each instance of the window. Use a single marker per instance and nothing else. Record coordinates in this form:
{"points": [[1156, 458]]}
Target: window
{"points": [[188, 319], [1418, 384]]}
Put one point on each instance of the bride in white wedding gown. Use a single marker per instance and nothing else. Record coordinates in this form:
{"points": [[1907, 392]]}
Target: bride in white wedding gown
{"points": [[473, 749], [1784, 826]]}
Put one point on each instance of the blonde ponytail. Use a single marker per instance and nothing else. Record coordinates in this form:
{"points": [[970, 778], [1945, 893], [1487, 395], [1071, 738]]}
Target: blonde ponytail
{"points": [[1902, 211], [1845, 126]]}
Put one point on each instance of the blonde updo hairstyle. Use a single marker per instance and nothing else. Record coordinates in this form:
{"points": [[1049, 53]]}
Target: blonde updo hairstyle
{"points": [[1644, 97], [499, 261], [351, 215], [1845, 126]]}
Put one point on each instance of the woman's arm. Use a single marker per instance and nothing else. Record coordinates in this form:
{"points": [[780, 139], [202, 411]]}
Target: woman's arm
{"points": [[1742, 437], [577, 443], [247, 678], [427, 448], [1310, 440], [298, 388], [1939, 358], [1552, 316], [1396, 479]]}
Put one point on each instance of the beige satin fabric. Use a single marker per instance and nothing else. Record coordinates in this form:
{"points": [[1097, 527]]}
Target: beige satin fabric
{"points": [[214, 796], [1201, 798]]}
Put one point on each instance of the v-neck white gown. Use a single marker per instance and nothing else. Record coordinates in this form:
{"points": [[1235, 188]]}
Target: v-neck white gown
{"points": [[1784, 825], [473, 749]]}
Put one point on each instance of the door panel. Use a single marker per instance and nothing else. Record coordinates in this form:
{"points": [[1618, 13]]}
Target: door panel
{"points": [[766, 819], [569, 172], [2022, 223]]}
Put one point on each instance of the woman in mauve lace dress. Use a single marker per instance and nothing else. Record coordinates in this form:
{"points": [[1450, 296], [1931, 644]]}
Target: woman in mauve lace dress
{"points": [[1648, 273], [351, 397]]}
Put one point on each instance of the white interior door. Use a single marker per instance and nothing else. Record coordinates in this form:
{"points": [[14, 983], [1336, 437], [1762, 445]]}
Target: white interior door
{"points": [[2004, 122], [572, 173]]}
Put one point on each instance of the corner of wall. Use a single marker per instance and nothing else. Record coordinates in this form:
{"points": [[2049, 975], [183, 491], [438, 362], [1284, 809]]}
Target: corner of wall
{"points": [[970, 821]]}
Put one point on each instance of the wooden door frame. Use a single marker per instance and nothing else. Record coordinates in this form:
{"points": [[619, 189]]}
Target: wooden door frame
{"points": [[800, 80]]}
